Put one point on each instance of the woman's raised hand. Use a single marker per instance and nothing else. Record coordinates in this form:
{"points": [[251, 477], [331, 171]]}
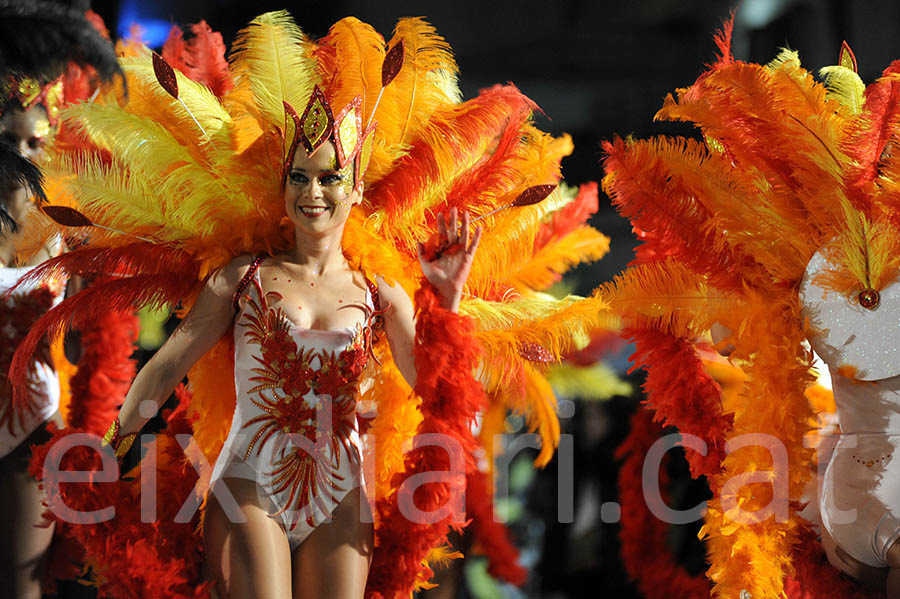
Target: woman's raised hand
{"points": [[447, 266]]}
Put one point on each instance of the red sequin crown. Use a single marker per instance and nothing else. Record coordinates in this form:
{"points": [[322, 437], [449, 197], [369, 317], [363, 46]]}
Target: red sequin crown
{"points": [[318, 125]]}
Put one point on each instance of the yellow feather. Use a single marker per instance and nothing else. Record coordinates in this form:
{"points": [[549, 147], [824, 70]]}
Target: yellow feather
{"points": [[584, 244], [542, 415], [845, 86], [595, 382], [360, 53], [664, 296], [425, 82], [558, 326], [271, 56]]}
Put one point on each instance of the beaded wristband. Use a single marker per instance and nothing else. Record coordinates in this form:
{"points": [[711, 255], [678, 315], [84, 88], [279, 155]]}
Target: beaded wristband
{"points": [[120, 444]]}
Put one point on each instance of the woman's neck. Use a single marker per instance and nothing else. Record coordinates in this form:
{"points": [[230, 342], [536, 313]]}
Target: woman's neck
{"points": [[319, 254]]}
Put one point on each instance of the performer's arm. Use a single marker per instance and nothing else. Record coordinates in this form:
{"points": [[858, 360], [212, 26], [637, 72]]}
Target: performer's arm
{"points": [[204, 325], [447, 276]]}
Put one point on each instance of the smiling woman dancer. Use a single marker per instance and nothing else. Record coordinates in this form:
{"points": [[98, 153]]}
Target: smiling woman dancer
{"points": [[291, 213]]}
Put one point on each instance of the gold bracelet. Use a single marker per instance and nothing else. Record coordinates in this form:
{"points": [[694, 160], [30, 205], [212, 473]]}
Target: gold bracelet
{"points": [[120, 444]]}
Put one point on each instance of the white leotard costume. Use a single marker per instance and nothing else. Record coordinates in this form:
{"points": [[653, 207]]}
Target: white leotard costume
{"points": [[289, 381], [18, 311], [860, 499]]}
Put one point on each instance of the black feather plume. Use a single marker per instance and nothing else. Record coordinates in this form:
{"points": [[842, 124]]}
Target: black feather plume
{"points": [[15, 170], [38, 38]]}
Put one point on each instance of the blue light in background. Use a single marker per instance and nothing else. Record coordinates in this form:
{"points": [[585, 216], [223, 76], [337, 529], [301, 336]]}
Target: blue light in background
{"points": [[153, 31]]}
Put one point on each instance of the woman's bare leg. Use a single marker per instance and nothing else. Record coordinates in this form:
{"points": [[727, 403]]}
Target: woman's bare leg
{"points": [[333, 562], [249, 560], [23, 544]]}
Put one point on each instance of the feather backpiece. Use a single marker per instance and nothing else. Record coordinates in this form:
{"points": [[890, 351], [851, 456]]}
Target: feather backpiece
{"points": [[198, 197], [788, 166]]}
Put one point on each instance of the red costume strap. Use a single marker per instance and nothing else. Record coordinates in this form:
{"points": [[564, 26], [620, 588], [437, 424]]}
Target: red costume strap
{"points": [[248, 276], [446, 357], [376, 320]]}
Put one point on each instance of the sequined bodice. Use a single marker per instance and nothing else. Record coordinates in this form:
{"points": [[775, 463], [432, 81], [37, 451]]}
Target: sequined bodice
{"points": [[297, 391], [294, 367]]}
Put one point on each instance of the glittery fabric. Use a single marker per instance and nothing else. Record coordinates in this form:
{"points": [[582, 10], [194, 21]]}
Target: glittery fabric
{"points": [[535, 353], [847, 58], [393, 62], [67, 216], [27, 92], [533, 195], [165, 74], [294, 429], [348, 129], [860, 499], [365, 153], [849, 335], [317, 122]]}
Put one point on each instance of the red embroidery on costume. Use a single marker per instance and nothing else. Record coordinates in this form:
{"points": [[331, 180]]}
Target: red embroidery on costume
{"points": [[288, 374]]}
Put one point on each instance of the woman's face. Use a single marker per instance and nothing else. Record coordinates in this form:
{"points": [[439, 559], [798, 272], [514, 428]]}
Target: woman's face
{"points": [[27, 132], [317, 195]]}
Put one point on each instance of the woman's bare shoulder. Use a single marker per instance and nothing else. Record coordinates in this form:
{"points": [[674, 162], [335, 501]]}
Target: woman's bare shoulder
{"points": [[229, 276]]}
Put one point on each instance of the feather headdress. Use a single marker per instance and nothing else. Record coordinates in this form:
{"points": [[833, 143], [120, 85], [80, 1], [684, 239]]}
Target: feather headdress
{"points": [[196, 176], [787, 166]]}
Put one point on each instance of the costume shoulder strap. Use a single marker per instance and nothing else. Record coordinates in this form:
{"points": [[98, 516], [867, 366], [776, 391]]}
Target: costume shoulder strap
{"points": [[248, 276], [373, 293]]}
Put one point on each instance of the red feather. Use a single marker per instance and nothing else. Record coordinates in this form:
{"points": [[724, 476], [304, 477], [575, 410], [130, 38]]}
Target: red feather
{"points": [[105, 370], [682, 394], [647, 559], [206, 56], [866, 142], [174, 50], [463, 130], [669, 216], [492, 177], [571, 216], [813, 577], [201, 57], [134, 258], [133, 558], [90, 305], [445, 358], [723, 41], [492, 536]]}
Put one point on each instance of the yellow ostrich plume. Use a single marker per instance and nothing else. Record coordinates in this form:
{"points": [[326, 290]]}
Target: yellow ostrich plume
{"points": [[584, 244], [272, 57], [665, 296], [427, 81], [349, 59]]}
